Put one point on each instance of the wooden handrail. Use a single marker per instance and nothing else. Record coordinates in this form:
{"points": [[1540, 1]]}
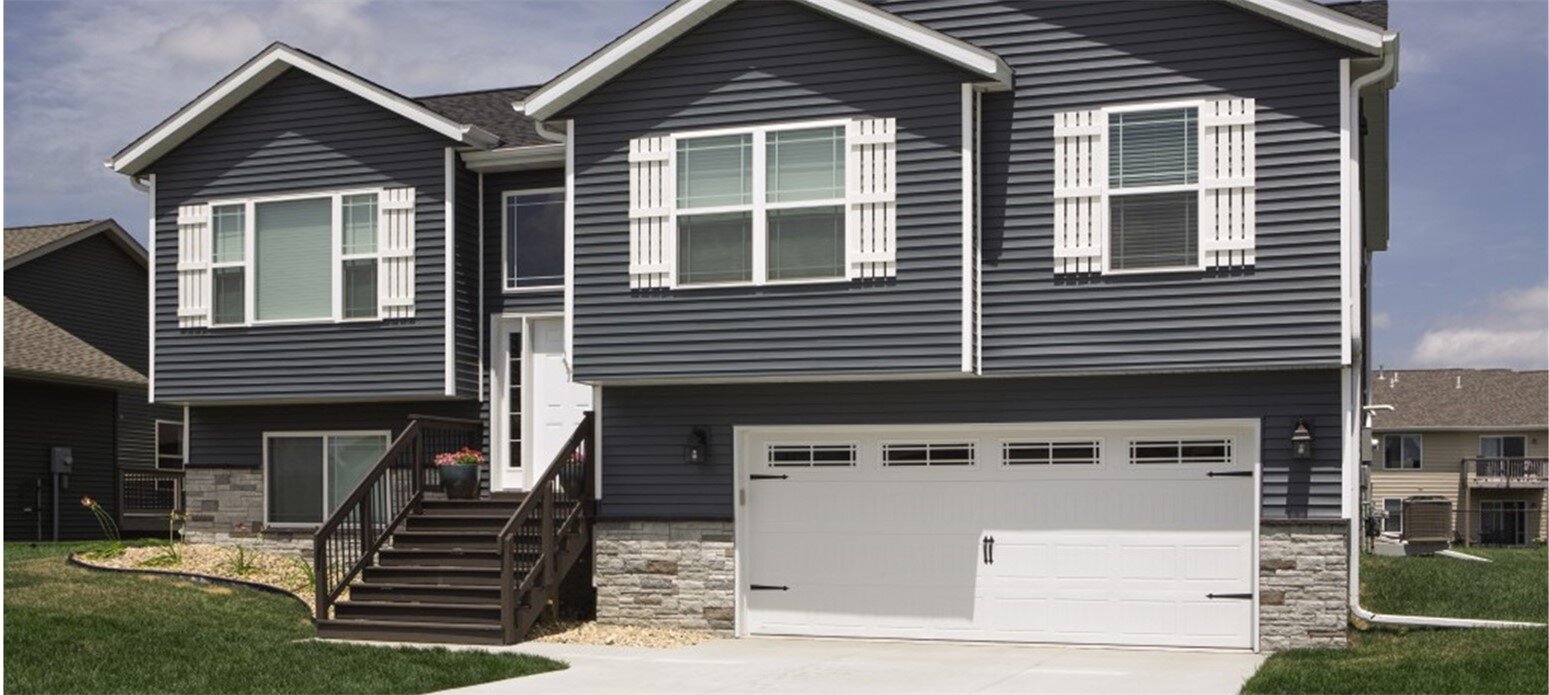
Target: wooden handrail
{"points": [[350, 537], [578, 450]]}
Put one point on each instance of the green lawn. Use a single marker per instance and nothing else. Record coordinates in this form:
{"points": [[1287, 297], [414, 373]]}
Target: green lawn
{"points": [[1387, 660], [69, 630]]}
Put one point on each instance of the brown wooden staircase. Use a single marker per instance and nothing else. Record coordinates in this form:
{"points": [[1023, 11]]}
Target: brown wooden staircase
{"points": [[419, 569]]}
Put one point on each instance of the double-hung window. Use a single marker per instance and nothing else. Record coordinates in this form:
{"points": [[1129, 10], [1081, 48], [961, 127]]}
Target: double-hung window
{"points": [[534, 238], [1402, 451], [295, 258], [762, 206], [1153, 189]]}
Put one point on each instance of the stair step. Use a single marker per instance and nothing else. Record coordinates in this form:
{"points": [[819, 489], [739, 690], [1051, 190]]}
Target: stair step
{"points": [[456, 522], [433, 575], [450, 557], [442, 540], [399, 592], [409, 631], [502, 509], [426, 612]]}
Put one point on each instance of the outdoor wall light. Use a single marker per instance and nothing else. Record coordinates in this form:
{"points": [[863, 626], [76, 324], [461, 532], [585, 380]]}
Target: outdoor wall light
{"points": [[696, 451], [1301, 441]]}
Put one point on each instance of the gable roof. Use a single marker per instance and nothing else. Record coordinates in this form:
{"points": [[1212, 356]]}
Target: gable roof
{"points": [[1460, 399], [491, 110], [23, 244], [259, 71], [37, 348], [1341, 27], [681, 16]]}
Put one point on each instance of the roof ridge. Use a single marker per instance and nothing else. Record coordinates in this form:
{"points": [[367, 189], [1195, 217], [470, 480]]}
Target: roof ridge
{"points": [[55, 224], [478, 91]]}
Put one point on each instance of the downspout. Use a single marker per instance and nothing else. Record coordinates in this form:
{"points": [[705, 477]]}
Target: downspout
{"points": [[1357, 85], [544, 130], [139, 185]]}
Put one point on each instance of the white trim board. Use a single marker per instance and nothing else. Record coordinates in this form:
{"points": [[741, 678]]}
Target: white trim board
{"points": [[259, 71], [682, 16]]}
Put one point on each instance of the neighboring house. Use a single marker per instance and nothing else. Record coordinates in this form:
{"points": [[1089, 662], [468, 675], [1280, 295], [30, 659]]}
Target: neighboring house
{"points": [[937, 320], [1478, 437], [75, 362]]}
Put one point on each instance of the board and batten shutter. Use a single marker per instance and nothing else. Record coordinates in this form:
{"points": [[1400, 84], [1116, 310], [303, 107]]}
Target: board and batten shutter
{"points": [[871, 182], [652, 194], [395, 251], [193, 265], [1080, 170], [1226, 177]]}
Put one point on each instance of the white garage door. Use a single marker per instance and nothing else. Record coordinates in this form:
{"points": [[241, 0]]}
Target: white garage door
{"points": [[1132, 533]]}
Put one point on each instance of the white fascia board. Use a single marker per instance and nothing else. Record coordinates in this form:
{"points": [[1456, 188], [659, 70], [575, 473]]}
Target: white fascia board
{"points": [[259, 72], [1321, 21], [515, 158], [684, 15]]}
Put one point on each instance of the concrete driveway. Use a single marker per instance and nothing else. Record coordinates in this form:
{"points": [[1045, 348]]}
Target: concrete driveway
{"points": [[764, 665]]}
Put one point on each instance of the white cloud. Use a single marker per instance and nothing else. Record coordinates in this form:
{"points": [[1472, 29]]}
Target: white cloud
{"points": [[1510, 329], [1382, 319]]}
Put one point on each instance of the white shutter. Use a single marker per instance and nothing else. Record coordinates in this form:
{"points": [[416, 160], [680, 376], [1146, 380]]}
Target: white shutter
{"points": [[395, 249], [1226, 175], [871, 237], [1080, 170], [652, 194], [193, 266]]}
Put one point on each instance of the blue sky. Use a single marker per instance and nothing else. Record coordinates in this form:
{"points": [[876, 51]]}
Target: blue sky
{"points": [[1462, 285]]}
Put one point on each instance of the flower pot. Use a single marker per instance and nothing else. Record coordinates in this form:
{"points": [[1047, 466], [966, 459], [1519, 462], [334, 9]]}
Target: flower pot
{"points": [[460, 481]]}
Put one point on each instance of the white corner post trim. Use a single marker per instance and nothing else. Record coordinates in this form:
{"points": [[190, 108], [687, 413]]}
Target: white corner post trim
{"points": [[969, 199], [1348, 174], [597, 441], [569, 246], [449, 236], [150, 243]]}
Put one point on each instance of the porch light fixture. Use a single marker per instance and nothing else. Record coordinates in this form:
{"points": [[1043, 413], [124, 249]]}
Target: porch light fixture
{"points": [[1301, 441], [696, 451]]}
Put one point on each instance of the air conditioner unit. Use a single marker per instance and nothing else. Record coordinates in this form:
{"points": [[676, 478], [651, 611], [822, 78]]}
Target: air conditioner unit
{"points": [[1427, 519]]}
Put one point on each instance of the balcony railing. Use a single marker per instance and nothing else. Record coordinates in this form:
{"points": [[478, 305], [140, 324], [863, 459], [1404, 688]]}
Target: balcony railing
{"points": [[1506, 472]]}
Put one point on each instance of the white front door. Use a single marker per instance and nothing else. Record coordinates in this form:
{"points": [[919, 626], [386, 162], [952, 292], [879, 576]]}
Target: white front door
{"points": [[534, 406], [1097, 533]]}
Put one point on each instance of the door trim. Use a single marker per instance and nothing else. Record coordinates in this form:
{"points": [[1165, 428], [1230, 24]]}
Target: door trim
{"points": [[500, 326], [742, 456]]}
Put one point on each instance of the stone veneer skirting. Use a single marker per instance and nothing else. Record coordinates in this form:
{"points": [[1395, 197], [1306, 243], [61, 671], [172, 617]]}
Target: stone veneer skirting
{"points": [[226, 506], [678, 574], [1304, 589]]}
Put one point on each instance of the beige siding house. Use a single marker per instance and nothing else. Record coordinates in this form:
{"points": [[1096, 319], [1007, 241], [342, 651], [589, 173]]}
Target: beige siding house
{"points": [[1478, 437]]}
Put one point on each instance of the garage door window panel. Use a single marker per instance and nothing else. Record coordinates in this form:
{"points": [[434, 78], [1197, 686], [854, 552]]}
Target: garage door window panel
{"points": [[1050, 453], [1180, 451], [811, 455], [927, 454]]}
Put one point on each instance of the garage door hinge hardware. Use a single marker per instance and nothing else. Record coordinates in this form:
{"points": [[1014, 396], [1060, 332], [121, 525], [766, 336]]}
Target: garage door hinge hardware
{"points": [[1237, 596], [767, 587], [1230, 474], [988, 549], [767, 476]]}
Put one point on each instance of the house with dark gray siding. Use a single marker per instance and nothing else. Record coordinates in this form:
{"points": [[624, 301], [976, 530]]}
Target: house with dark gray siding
{"points": [[926, 319], [75, 386]]}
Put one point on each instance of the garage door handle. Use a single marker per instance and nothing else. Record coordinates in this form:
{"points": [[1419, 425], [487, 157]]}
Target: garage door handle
{"points": [[1230, 474], [767, 587], [1236, 596]]}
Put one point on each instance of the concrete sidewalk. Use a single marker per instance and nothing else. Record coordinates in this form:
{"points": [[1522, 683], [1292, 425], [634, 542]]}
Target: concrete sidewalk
{"points": [[764, 665]]}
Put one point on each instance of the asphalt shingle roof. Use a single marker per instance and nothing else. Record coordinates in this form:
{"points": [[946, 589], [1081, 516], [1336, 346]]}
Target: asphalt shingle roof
{"points": [[20, 240], [1460, 398], [36, 347], [491, 110], [1371, 11]]}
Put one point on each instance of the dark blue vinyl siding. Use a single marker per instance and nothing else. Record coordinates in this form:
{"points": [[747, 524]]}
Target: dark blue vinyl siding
{"points": [[759, 63], [644, 427], [466, 274], [38, 417], [300, 134], [136, 435], [92, 288], [232, 436], [496, 300], [1068, 56]]}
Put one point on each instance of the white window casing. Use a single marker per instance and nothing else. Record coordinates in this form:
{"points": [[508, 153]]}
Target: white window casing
{"points": [[193, 266], [1226, 176], [1226, 180], [871, 181], [1080, 172], [652, 192], [395, 246]]}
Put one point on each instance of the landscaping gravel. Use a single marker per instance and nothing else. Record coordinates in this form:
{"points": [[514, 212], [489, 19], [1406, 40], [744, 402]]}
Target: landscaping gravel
{"points": [[281, 571], [589, 632]]}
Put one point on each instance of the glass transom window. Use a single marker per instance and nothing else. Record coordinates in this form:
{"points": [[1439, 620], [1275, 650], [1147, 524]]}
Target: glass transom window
{"points": [[734, 229], [1153, 189], [534, 238]]}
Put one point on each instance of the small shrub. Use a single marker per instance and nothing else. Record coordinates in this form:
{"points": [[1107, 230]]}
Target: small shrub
{"points": [[241, 563], [305, 568]]}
